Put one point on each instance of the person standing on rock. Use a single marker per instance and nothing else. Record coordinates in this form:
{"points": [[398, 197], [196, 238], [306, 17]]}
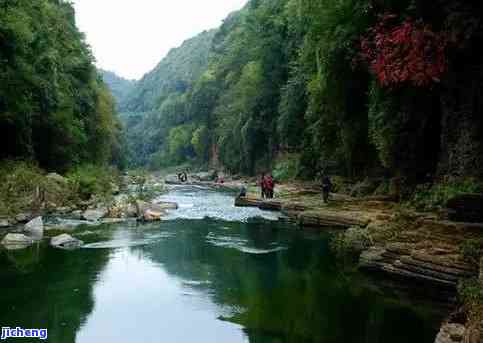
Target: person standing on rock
{"points": [[326, 187]]}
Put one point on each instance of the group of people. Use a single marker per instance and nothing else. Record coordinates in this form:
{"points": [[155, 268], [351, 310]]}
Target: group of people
{"points": [[267, 186]]}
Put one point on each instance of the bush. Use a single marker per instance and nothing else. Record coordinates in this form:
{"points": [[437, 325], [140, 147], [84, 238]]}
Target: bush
{"points": [[286, 168], [24, 187], [19, 182], [430, 196], [471, 292], [472, 250], [90, 181], [351, 242]]}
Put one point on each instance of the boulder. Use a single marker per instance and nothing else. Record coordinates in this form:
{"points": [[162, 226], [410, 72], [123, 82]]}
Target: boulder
{"points": [[23, 217], [66, 241], [35, 228], [77, 214], [57, 178], [467, 207], [451, 333], [205, 176], [143, 206], [152, 216], [165, 205], [171, 179], [95, 214], [15, 241], [4, 223]]}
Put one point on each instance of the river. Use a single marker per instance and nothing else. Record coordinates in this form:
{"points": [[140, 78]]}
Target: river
{"points": [[208, 273]]}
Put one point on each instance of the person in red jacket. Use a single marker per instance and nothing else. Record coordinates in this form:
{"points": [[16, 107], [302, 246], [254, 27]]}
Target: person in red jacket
{"points": [[269, 186]]}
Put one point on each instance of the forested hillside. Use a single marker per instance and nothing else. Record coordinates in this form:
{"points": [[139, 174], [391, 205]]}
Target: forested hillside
{"points": [[119, 86], [54, 107], [158, 104], [388, 88]]}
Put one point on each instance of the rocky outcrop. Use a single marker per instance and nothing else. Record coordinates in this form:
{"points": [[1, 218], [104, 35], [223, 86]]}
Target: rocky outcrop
{"points": [[425, 265], [152, 216], [16, 241], [152, 212], [466, 208], [166, 205], [66, 242], [327, 218], [94, 215], [35, 228], [271, 205], [451, 333]]}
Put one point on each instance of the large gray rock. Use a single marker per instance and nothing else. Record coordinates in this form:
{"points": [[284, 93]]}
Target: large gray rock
{"points": [[95, 215], [35, 228], [66, 241], [15, 241]]}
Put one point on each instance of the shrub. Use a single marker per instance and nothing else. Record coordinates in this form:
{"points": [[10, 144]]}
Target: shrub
{"points": [[431, 196], [471, 292], [472, 250], [286, 168], [90, 181], [351, 242]]}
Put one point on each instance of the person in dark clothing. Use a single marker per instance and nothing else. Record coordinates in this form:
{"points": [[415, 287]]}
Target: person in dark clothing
{"points": [[326, 187], [243, 191], [182, 177]]}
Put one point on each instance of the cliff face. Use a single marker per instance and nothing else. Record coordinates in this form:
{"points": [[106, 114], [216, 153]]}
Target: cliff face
{"points": [[462, 123]]}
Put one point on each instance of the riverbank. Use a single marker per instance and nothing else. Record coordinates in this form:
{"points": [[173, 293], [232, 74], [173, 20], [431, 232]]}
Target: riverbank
{"points": [[422, 248]]}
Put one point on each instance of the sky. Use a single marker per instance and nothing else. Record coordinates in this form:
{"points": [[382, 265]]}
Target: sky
{"points": [[130, 37]]}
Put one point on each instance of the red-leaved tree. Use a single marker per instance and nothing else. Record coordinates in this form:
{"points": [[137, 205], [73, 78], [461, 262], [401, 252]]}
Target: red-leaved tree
{"points": [[405, 52]]}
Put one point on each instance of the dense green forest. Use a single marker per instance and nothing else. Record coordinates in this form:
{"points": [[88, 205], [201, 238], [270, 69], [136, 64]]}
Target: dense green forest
{"points": [[119, 86], [373, 87], [54, 108]]}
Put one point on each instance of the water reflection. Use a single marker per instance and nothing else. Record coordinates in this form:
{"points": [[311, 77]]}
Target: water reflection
{"points": [[204, 280]]}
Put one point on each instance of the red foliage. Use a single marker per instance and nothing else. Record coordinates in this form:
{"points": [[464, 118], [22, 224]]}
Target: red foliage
{"points": [[406, 52]]}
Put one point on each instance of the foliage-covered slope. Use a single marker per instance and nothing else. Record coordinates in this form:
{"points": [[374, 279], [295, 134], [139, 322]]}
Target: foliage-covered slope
{"points": [[173, 74], [54, 108], [379, 88], [119, 86]]}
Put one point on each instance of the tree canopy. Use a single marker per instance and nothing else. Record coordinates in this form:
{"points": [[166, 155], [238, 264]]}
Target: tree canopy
{"points": [[54, 107]]}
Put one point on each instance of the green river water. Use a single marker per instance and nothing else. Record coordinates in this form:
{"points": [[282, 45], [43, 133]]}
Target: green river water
{"points": [[210, 273]]}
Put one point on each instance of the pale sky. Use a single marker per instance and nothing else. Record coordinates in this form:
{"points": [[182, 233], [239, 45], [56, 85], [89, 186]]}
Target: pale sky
{"points": [[130, 37]]}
